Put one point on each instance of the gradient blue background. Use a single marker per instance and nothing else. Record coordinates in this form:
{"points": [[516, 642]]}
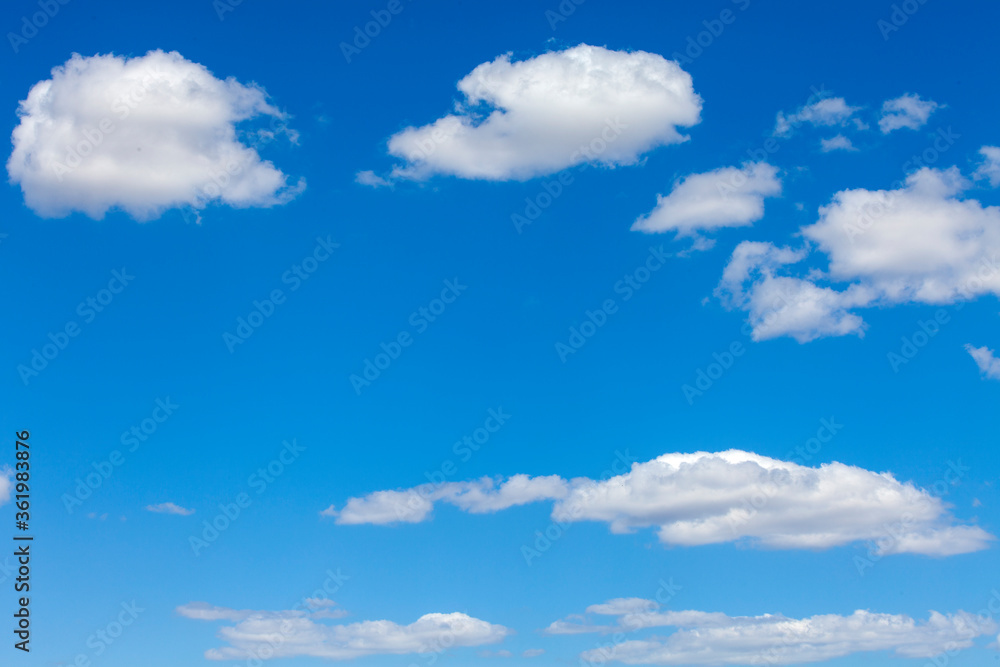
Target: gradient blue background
{"points": [[494, 347]]}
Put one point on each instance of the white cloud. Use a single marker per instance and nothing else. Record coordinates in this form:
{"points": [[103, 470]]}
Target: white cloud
{"points": [[827, 112], [144, 135], [532, 652], [704, 638], [837, 143], [784, 306], [169, 508], [202, 611], [907, 111], [919, 243], [705, 498], [989, 364], [521, 119], [6, 484], [370, 178], [477, 497], [726, 197], [990, 166], [284, 634]]}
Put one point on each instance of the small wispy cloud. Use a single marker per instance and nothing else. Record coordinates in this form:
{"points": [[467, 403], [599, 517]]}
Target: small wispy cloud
{"points": [[169, 508]]}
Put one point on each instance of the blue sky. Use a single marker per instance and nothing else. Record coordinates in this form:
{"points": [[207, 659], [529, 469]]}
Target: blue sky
{"points": [[750, 250]]}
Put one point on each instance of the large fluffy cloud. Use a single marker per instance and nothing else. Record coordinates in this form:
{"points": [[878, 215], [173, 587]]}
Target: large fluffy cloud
{"points": [[726, 197], [520, 119], [142, 134], [919, 243], [710, 498], [282, 634], [703, 638]]}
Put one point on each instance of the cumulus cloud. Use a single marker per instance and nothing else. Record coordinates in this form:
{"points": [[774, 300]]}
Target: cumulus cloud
{"points": [[143, 135], [919, 243], [477, 497], [989, 364], [837, 143], [827, 112], [169, 508], [989, 168], [703, 638], [907, 111], [285, 634], [779, 305], [726, 197], [711, 498], [520, 119]]}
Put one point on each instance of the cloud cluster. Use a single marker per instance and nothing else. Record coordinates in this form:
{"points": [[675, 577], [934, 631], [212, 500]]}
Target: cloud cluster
{"points": [[906, 111], [285, 634], [726, 197], [143, 135], [919, 243], [710, 498], [520, 119], [704, 638]]}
